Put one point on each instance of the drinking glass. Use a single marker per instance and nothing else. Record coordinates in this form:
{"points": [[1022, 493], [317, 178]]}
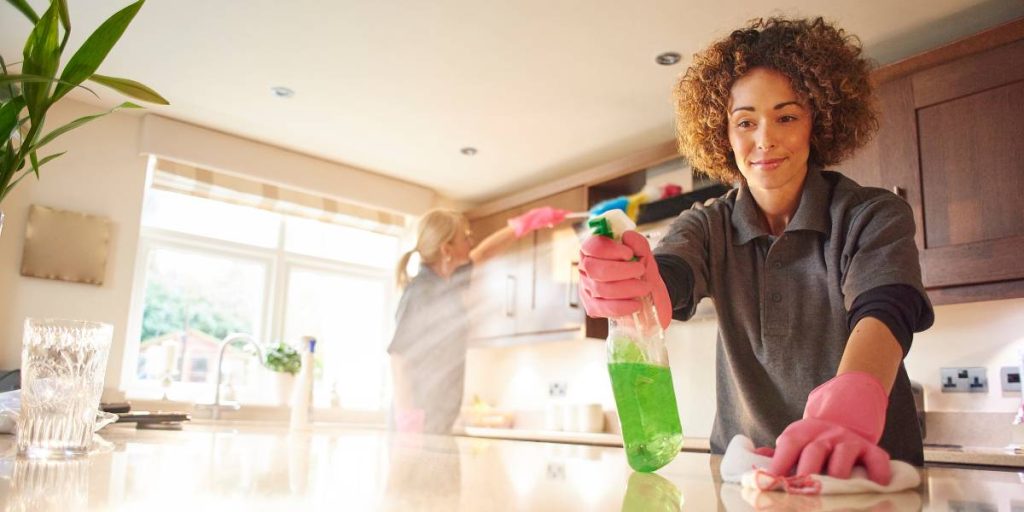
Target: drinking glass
{"points": [[62, 367]]}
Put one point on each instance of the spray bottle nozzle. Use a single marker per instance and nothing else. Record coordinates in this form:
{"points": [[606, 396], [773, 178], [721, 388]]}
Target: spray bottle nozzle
{"points": [[611, 224]]}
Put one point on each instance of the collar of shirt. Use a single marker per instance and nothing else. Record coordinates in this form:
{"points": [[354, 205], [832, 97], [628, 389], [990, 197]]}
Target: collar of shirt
{"points": [[811, 214]]}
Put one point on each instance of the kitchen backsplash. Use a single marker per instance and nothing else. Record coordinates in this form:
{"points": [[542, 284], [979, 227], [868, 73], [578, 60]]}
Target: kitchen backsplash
{"points": [[985, 334]]}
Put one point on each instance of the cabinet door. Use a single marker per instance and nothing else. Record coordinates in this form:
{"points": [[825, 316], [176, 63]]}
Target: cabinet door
{"points": [[951, 141], [496, 284], [554, 303]]}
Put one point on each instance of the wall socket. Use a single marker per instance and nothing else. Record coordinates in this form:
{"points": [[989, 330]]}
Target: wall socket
{"points": [[1009, 377], [964, 380], [557, 389]]}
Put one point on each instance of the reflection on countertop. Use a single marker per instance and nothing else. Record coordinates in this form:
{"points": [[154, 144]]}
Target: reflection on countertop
{"points": [[253, 467], [933, 453]]}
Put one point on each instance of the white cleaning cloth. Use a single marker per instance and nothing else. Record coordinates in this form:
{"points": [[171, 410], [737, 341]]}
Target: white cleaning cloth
{"points": [[740, 465]]}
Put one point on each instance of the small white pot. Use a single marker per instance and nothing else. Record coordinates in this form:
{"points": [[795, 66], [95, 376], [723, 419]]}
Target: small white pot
{"points": [[283, 384]]}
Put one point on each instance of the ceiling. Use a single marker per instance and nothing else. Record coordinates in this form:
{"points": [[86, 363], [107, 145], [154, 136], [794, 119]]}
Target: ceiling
{"points": [[541, 89]]}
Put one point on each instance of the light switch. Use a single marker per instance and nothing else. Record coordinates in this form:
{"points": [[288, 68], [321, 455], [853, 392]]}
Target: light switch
{"points": [[1009, 377]]}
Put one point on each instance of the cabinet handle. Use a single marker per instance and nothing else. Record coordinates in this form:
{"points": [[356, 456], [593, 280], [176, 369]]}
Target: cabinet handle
{"points": [[900, 192], [574, 285], [510, 296]]}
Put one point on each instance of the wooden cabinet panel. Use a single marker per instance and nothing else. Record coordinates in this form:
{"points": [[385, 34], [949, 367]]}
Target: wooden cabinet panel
{"points": [[948, 144], [491, 301], [968, 75], [554, 304], [967, 134], [530, 288], [971, 170]]}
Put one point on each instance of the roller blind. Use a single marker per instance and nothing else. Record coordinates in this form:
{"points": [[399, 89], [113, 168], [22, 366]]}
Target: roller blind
{"points": [[196, 181]]}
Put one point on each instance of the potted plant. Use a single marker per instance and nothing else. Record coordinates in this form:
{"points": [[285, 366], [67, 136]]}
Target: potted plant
{"points": [[27, 95], [284, 361]]}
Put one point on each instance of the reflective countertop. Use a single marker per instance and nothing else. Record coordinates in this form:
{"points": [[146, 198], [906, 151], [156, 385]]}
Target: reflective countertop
{"points": [[250, 466]]}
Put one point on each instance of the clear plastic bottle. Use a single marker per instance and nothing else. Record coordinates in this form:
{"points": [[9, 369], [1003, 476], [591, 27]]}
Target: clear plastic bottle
{"points": [[302, 393], [640, 374]]}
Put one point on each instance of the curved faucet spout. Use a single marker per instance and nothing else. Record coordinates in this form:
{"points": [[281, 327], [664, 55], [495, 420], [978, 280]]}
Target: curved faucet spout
{"points": [[228, 340]]}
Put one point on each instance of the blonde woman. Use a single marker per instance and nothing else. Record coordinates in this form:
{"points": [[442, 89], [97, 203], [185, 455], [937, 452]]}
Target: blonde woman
{"points": [[428, 351]]}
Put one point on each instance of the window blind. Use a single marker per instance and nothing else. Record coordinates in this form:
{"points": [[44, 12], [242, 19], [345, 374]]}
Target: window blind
{"points": [[196, 181]]}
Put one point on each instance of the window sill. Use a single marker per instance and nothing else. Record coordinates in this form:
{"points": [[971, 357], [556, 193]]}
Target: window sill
{"points": [[266, 413]]}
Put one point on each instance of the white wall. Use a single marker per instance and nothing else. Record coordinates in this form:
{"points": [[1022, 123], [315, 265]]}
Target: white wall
{"points": [[104, 174], [978, 334]]}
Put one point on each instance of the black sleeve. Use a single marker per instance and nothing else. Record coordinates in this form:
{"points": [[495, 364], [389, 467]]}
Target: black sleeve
{"points": [[900, 307], [678, 278]]}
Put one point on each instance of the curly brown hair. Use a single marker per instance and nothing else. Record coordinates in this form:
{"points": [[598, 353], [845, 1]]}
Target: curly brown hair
{"points": [[825, 69]]}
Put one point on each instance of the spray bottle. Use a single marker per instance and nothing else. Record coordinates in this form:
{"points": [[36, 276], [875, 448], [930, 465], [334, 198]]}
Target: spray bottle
{"points": [[302, 393], [640, 375]]}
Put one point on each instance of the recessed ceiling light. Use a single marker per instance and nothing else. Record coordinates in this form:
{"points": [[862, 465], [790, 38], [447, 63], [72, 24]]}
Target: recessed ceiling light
{"points": [[668, 58], [282, 92], [468, 151]]}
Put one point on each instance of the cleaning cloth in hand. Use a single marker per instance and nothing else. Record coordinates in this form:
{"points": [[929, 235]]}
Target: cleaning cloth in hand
{"points": [[743, 466]]}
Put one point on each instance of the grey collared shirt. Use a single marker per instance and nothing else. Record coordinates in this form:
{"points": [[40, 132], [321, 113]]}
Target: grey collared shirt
{"points": [[431, 329], [782, 302]]}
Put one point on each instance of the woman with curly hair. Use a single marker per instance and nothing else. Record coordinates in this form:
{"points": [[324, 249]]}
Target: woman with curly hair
{"points": [[815, 279]]}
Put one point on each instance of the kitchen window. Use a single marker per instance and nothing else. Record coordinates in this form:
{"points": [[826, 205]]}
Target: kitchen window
{"points": [[226, 261]]}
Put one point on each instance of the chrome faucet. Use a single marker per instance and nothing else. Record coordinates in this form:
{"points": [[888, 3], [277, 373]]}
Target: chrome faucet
{"points": [[217, 405]]}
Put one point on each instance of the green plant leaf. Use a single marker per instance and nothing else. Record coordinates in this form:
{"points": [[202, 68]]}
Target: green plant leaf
{"points": [[130, 88], [9, 79], [65, 21], [76, 123], [51, 157], [88, 58], [34, 160], [25, 9], [42, 57], [9, 117], [6, 93], [24, 174]]}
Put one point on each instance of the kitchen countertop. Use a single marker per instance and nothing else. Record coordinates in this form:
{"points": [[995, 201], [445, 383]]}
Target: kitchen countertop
{"points": [[260, 466], [942, 454]]}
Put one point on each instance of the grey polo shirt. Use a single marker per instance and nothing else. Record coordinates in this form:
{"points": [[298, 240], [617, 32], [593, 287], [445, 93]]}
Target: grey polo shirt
{"points": [[782, 302], [431, 329]]}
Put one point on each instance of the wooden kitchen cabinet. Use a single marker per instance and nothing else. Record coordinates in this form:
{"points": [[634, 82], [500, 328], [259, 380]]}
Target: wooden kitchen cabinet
{"points": [[495, 283], [554, 303], [949, 143], [531, 288]]}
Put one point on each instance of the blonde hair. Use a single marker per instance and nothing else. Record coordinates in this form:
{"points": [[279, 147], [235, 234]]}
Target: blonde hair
{"points": [[435, 228]]}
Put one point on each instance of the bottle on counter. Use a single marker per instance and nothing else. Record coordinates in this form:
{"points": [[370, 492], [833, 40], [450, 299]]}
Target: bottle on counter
{"points": [[640, 374], [302, 393]]}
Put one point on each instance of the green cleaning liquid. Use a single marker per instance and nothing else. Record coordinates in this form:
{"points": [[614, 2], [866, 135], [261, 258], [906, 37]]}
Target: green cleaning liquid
{"points": [[639, 370], [648, 414]]}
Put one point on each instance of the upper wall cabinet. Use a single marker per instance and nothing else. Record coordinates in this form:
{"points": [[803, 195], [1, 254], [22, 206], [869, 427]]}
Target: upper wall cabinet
{"points": [[950, 144], [532, 287]]}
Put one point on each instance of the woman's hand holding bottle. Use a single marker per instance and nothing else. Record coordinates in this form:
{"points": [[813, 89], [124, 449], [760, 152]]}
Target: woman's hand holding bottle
{"points": [[615, 276]]}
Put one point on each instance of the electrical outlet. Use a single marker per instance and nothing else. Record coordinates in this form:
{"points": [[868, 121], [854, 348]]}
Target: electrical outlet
{"points": [[1009, 377], [556, 471], [557, 389], [963, 380]]}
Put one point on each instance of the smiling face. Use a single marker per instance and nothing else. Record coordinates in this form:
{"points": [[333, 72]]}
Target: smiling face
{"points": [[770, 132]]}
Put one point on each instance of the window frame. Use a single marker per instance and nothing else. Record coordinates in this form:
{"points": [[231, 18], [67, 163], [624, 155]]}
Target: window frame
{"points": [[278, 265]]}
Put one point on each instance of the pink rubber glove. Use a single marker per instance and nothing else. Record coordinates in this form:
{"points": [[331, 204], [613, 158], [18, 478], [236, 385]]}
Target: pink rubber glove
{"points": [[410, 420], [543, 217], [615, 276], [842, 423]]}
